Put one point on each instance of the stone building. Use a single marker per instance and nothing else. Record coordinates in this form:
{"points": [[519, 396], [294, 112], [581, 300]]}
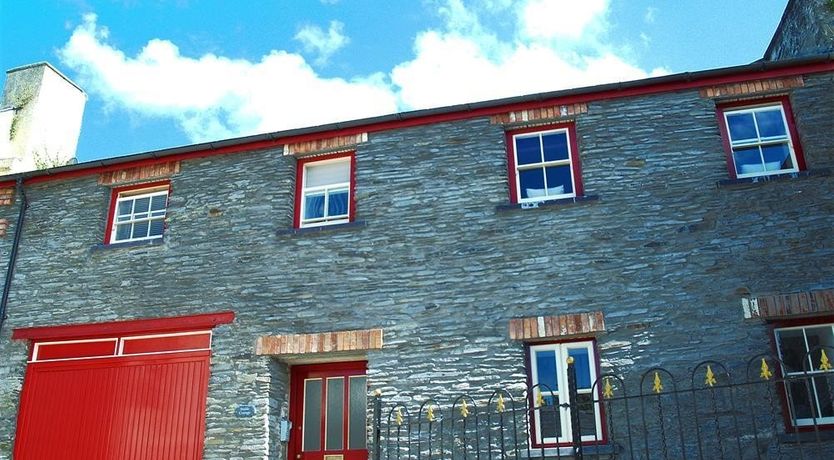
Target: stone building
{"points": [[189, 302]]}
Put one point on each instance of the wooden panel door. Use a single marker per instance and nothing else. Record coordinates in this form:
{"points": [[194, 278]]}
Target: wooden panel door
{"points": [[328, 411], [139, 397]]}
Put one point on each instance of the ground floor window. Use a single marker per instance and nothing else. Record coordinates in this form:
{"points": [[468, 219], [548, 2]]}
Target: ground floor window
{"points": [[551, 419], [806, 353]]}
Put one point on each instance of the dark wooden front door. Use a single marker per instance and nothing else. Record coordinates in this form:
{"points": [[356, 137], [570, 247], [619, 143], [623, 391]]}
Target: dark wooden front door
{"points": [[328, 410]]}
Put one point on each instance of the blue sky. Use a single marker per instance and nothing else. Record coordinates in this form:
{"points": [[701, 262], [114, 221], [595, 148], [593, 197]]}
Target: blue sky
{"points": [[165, 73]]}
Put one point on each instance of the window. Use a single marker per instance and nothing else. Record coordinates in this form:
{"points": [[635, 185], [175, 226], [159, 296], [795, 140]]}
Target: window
{"points": [[760, 140], [543, 164], [549, 378], [137, 213], [325, 190], [809, 395]]}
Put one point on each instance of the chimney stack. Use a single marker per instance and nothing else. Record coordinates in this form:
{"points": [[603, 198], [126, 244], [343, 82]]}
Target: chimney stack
{"points": [[40, 119]]}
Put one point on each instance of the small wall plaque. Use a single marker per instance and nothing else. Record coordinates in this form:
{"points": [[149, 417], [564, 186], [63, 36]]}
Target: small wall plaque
{"points": [[244, 410]]}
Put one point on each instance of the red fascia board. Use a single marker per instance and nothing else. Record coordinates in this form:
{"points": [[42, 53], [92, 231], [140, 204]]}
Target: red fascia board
{"points": [[405, 120], [120, 328]]}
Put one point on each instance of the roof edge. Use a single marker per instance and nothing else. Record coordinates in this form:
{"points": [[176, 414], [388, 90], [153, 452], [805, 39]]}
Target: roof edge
{"points": [[50, 66], [778, 31], [404, 119]]}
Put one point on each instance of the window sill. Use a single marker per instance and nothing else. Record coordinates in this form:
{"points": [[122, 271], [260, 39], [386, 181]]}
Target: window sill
{"points": [[323, 228], [584, 199], [823, 431], [736, 183], [567, 452], [127, 244]]}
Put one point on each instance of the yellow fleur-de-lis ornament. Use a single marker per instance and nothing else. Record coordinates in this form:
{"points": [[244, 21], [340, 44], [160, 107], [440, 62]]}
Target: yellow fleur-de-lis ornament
{"points": [[430, 413], [765, 374], [658, 385], [607, 389], [710, 380], [825, 364], [539, 399], [499, 406], [399, 417], [464, 409]]}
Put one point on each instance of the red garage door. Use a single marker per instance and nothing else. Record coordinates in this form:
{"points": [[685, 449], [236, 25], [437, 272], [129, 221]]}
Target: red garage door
{"points": [[118, 397]]}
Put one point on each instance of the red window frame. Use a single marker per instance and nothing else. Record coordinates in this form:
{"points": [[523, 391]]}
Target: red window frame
{"points": [[603, 438], [790, 426], [576, 164], [114, 198], [299, 184], [785, 102]]}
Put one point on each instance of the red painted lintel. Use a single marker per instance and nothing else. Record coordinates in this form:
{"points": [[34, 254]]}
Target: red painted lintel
{"points": [[119, 328]]}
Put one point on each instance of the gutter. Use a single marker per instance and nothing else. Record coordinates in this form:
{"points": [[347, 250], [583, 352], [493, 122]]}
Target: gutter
{"points": [[18, 231]]}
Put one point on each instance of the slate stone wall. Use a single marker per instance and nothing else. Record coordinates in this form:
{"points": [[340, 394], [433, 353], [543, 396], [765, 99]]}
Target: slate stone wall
{"points": [[665, 253], [806, 29]]}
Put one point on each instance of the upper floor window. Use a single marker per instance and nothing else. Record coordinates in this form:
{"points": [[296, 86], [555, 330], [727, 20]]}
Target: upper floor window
{"points": [[808, 376], [324, 190], [549, 379], [760, 139], [138, 213], [543, 164]]}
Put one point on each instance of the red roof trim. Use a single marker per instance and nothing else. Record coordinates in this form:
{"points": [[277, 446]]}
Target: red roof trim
{"points": [[681, 82], [119, 328]]}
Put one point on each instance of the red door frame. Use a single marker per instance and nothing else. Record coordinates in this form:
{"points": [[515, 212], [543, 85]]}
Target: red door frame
{"points": [[300, 373]]}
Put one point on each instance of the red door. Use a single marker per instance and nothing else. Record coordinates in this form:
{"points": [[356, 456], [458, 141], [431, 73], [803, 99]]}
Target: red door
{"points": [[328, 411], [140, 397]]}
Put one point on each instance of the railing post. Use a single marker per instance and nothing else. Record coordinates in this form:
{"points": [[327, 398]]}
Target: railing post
{"points": [[573, 400], [377, 425]]}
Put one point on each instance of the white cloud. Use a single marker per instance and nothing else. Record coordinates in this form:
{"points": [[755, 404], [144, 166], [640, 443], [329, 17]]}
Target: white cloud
{"points": [[212, 96], [566, 19], [324, 44], [651, 15], [466, 63]]}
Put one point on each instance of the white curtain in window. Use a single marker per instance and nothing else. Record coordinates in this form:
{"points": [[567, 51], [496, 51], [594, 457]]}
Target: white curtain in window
{"points": [[328, 173]]}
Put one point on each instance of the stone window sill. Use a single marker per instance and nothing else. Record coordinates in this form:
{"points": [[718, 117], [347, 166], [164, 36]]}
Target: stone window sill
{"points": [[758, 181], [567, 452], [323, 229], [127, 244], [808, 437], [579, 200]]}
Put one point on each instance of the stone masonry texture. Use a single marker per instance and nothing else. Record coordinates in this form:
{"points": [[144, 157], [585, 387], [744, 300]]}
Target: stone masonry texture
{"points": [[806, 29], [665, 254]]}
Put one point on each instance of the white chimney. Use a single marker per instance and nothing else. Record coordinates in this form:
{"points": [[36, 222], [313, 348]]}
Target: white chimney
{"points": [[40, 119]]}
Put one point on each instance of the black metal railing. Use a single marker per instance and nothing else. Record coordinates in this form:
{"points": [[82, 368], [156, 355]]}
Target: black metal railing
{"points": [[708, 415]]}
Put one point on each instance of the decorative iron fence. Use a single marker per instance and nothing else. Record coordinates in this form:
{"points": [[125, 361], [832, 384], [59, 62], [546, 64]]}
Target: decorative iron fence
{"points": [[708, 416]]}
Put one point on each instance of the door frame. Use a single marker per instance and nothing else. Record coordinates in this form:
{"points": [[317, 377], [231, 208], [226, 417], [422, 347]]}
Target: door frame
{"points": [[301, 372]]}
